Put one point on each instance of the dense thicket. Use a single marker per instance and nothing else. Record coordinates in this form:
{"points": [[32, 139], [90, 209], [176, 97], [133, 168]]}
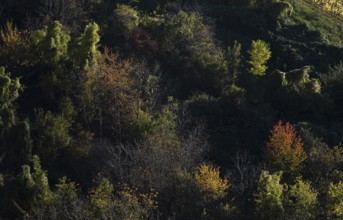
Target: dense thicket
{"points": [[210, 109]]}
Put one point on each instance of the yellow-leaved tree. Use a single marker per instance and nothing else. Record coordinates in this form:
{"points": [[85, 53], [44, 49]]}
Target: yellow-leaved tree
{"points": [[259, 55], [214, 200]]}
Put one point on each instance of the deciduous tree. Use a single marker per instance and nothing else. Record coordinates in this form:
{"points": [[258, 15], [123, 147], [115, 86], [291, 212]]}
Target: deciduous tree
{"points": [[335, 201], [301, 200], [284, 150]]}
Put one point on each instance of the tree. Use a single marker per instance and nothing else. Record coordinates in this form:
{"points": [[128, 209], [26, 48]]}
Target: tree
{"points": [[301, 200], [15, 48], [66, 199], [52, 43], [323, 165], [9, 92], [126, 204], [50, 135], [108, 97], [127, 17], [268, 197], [234, 62], [164, 160], [207, 178], [85, 52], [15, 138], [259, 54], [34, 182], [335, 201], [101, 199], [130, 204], [284, 149], [190, 45], [213, 192], [40, 202], [51, 47]]}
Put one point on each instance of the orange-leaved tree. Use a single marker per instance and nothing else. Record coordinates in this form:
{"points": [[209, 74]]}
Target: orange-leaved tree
{"points": [[284, 149]]}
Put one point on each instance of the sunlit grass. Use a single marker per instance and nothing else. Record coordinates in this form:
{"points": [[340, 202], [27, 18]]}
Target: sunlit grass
{"points": [[330, 27]]}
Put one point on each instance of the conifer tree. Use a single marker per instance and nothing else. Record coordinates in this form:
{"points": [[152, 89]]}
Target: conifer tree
{"points": [[85, 52], [34, 182], [259, 54], [234, 61], [268, 197], [52, 42], [9, 92]]}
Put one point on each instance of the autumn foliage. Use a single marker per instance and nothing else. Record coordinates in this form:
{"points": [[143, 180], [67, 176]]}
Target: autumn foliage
{"points": [[284, 149], [209, 181], [164, 109]]}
